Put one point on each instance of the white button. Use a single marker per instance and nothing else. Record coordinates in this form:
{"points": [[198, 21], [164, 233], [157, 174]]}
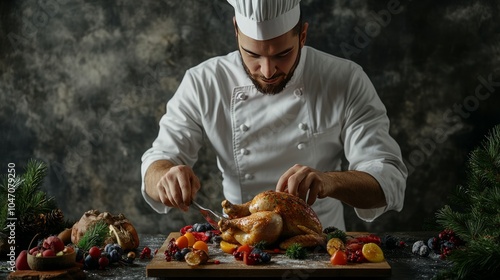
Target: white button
{"points": [[303, 126], [301, 146], [298, 92], [244, 152], [243, 127], [248, 176], [241, 96]]}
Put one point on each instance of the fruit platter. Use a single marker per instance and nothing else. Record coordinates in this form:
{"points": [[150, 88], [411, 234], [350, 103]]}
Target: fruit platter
{"points": [[199, 251]]}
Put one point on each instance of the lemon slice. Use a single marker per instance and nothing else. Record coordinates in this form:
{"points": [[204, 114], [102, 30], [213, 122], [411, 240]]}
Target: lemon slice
{"points": [[372, 252], [334, 244]]}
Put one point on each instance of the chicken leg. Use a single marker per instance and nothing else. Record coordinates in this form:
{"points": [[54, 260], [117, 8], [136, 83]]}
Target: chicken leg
{"points": [[261, 226]]}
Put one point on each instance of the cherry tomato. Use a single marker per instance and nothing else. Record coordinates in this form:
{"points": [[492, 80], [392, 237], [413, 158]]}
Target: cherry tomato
{"points": [[338, 258]]}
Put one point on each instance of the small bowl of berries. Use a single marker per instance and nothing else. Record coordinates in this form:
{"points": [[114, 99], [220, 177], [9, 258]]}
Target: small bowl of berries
{"points": [[52, 254]]}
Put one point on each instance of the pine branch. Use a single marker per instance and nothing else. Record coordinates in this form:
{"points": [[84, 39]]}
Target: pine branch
{"points": [[33, 176], [30, 200], [475, 214], [479, 259]]}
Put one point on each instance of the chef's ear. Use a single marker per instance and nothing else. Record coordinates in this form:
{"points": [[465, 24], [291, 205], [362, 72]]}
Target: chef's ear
{"points": [[235, 27], [303, 34]]}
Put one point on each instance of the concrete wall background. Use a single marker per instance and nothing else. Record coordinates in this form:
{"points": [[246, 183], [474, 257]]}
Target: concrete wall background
{"points": [[84, 83]]}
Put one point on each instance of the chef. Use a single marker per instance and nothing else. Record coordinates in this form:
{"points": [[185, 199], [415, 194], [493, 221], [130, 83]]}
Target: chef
{"points": [[279, 115]]}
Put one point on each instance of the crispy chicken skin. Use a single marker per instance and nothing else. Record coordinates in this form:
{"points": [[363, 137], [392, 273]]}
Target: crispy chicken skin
{"points": [[272, 217]]}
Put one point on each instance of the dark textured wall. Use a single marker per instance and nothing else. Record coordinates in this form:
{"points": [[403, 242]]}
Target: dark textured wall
{"points": [[84, 83]]}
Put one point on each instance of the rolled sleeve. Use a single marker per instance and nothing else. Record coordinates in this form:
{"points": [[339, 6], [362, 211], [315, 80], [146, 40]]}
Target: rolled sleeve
{"points": [[370, 148], [393, 183]]}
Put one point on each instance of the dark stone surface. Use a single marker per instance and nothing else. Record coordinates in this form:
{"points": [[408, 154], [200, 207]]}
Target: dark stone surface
{"points": [[84, 83]]}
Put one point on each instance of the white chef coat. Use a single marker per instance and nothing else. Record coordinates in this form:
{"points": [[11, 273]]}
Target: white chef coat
{"points": [[328, 117]]}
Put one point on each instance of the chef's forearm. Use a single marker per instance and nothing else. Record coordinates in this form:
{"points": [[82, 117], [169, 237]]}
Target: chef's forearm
{"points": [[153, 175], [357, 189]]}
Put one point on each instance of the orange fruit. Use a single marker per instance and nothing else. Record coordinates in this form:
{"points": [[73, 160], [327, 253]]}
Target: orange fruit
{"points": [[182, 242], [191, 238], [228, 247], [372, 252], [200, 245], [335, 244]]}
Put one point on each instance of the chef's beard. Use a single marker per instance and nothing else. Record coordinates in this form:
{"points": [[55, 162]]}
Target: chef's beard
{"points": [[268, 88]]}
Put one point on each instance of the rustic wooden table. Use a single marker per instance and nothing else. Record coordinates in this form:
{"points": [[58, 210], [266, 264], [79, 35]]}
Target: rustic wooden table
{"points": [[404, 264]]}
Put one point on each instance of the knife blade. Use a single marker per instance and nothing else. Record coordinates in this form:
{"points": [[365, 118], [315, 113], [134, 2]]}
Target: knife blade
{"points": [[210, 216]]}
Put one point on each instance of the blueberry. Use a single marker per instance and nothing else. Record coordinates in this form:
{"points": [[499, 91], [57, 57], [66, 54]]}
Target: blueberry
{"points": [[432, 243], [448, 244], [196, 227], [202, 228], [91, 263], [79, 254], [178, 256], [256, 251], [265, 257], [118, 248], [390, 242], [114, 256], [108, 247], [184, 251]]}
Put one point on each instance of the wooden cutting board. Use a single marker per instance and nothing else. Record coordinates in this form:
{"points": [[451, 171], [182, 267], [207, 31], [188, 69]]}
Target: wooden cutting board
{"points": [[315, 265]]}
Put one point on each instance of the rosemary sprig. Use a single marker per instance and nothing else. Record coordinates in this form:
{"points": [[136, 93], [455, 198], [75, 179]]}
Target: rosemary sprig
{"points": [[94, 236]]}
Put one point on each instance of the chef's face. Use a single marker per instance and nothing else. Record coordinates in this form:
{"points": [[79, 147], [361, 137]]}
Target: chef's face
{"points": [[270, 64]]}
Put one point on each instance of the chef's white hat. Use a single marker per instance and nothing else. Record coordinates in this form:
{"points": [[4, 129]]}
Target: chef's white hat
{"points": [[266, 19]]}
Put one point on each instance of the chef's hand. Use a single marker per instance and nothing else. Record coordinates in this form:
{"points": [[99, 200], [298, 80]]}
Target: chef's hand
{"points": [[304, 182], [178, 186]]}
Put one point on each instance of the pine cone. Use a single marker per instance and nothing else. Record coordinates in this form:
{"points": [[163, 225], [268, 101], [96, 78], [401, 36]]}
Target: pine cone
{"points": [[29, 224], [55, 218]]}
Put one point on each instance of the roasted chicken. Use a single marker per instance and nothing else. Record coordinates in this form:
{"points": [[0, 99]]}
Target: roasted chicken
{"points": [[272, 217]]}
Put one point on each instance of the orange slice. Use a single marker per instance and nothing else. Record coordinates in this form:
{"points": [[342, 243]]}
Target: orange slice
{"points": [[197, 257]]}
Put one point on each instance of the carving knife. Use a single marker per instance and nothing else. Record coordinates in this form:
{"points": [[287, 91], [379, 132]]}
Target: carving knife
{"points": [[211, 216]]}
